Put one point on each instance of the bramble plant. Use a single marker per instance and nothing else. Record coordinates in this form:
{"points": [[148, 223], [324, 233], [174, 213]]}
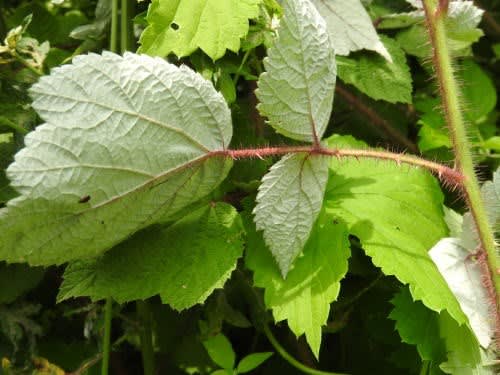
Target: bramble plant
{"points": [[154, 179]]}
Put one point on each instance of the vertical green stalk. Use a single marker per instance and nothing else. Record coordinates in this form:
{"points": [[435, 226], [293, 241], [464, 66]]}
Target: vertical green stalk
{"points": [[146, 334], [124, 26], [106, 346], [113, 38], [449, 90]]}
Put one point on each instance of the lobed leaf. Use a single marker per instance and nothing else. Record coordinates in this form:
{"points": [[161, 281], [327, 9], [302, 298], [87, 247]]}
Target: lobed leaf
{"points": [[125, 145], [288, 202], [183, 263], [182, 26], [304, 297], [350, 27], [296, 91]]}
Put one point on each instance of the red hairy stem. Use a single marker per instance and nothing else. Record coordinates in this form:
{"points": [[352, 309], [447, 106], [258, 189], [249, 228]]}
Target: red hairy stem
{"points": [[448, 176]]}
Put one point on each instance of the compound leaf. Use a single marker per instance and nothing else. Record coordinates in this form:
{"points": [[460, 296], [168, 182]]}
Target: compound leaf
{"points": [[378, 78], [288, 202], [296, 91], [182, 26], [383, 205], [350, 27], [304, 297], [183, 263], [126, 144]]}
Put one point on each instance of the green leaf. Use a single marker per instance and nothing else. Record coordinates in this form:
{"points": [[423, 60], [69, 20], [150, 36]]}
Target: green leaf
{"points": [[182, 26], [7, 149], [304, 298], [120, 150], [220, 350], [461, 25], [378, 78], [478, 90], [183, 263], [350, 27], [252, 361], [384, 204], [296, 91], [418, 326], [464, 354], [490, 192], [16, 279], [288, 202]]}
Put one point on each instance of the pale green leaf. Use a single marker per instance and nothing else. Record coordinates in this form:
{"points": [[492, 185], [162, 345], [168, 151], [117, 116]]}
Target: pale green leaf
{"points": [[350, 27], [296, 91], [182, 26], [221, 351], [125, 145], [183, 263], [304, 298], [288, 202], [384, 204], [252, 361], [463, 275], [378, 78]]}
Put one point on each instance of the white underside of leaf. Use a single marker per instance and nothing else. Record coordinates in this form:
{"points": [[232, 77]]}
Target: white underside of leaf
{"points": [[296, 91], [463, 275], [124, 145], [288, 203], [350, 27]]}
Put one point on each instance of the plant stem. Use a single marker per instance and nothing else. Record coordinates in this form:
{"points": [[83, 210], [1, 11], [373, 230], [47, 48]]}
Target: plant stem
{"points": [[126, 33], [11, 124], [106, 346], [448, 176], [292, 361], [449, 91], [113, 38], [147, 351], [379, 123]]}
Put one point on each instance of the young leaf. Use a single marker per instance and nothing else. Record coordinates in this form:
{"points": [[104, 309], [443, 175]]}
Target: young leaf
{"points": [[221, 351], [383, 203], [252, 361], [350, 27], [378, 78], [125, 144], [183, 263], [304, 298], [288, 202], [182, 26], [296, 91]]}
